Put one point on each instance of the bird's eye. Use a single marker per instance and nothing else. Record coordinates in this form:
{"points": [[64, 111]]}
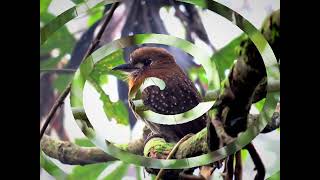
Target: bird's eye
{"points": [[147, 62]]}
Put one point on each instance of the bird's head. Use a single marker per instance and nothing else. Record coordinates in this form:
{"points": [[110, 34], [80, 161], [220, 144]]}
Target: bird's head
{"points": [[145, 62], [146, 59]]}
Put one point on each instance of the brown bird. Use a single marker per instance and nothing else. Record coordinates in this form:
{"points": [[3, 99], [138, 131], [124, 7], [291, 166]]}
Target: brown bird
{"points": [[178, 96]]}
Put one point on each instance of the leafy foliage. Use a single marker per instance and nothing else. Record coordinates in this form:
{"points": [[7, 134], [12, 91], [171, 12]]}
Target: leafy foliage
{"points": [[225, 57], [63, 42], [62, 39], [50, 167], [120, 171], [103, 67], [98, 77], [95, 171], [44, 4], [87, 172], [116, 110]]}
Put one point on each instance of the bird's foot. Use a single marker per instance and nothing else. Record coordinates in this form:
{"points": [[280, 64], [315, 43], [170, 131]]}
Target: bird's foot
{"points": [[152, 135]]}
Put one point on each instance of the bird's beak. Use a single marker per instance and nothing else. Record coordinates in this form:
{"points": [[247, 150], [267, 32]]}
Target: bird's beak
{"points": [[125, 67]]}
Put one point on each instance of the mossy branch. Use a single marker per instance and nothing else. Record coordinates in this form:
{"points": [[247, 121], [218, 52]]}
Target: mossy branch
{"points": [[70, 153]]}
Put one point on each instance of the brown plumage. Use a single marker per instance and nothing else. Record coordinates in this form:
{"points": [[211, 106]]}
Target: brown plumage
{"points": [[179, 95]]}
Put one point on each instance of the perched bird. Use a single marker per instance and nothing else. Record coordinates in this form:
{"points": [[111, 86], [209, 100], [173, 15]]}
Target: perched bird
{"points": [[178, 96]]}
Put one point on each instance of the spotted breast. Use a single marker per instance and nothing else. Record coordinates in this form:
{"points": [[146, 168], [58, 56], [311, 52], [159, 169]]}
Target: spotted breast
{"points": [[179, 95]]}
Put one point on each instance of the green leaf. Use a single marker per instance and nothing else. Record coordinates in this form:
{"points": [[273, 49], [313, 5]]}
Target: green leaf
{"points": [[103, 67], [116, 110], [84, 142], [44, 4], [225, 57], [50, 167], [119, 172], [103, 79], [62, 40], [87, 172]]}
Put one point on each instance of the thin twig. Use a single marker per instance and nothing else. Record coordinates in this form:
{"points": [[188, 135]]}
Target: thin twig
{"points": [[92, 47], [257, 162], [96, 41], [54, 108], [238, 166], [229, 166]]}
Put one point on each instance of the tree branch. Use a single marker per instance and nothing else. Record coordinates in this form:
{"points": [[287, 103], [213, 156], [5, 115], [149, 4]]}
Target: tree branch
{"points": [[69, 153], [72, 154]]}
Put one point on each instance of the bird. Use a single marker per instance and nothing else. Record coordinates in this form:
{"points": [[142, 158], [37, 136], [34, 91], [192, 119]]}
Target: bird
{"points": [[178, 96]]}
